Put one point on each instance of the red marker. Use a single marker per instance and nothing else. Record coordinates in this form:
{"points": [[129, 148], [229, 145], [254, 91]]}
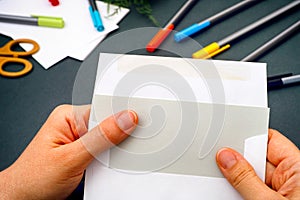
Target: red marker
{"points": [[163, 33], [54, 2]]}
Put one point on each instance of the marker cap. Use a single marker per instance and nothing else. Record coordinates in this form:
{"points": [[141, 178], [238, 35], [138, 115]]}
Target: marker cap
{"points": [[206, 50], [210, 51], [159, 38], [96, 19], [181, 35], [55, 22]]}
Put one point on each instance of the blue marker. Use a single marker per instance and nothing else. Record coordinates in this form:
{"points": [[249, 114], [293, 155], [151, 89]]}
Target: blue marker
{"points": [[187, 32], [95, 16]]}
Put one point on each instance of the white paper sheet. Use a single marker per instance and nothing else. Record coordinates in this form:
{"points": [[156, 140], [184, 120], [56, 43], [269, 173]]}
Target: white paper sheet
{"points": [[77, 39], [82, 52], [244, 84]]}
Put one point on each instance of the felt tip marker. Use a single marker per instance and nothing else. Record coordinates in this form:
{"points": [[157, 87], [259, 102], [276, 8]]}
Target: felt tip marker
{"points": [[95, 15], [164, 32], [189, 31], [35, 20], [224, 44], [282, 82], [273, 42]]}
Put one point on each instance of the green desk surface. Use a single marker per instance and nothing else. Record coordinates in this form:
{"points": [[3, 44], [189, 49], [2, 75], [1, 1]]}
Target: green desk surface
{"points": [[26, 102]]}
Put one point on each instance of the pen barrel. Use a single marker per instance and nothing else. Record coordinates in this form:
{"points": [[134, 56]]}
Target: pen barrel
{"points": [[258, 23], [273, 42], [181, 12], [279, 76], [291, 80], [231, 10], [93, 5], [18, 19]]}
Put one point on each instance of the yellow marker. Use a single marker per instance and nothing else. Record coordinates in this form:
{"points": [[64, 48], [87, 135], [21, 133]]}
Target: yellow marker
{"points": [[210, 51]]}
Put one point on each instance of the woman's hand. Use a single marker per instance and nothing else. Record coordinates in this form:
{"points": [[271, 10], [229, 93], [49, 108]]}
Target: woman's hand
{"points": [[53, 164], [282, 171]]}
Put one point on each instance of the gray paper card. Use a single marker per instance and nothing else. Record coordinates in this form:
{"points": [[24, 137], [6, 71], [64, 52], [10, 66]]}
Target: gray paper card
{"points": [[179, 137]]}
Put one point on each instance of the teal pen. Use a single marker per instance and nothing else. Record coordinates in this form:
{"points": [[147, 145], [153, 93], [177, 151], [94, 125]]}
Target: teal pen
{"points": [[187, 32], [96, 16]]}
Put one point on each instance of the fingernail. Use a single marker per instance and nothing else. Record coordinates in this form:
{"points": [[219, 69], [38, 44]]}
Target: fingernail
{"points": [[226, 158], [126, 120]]}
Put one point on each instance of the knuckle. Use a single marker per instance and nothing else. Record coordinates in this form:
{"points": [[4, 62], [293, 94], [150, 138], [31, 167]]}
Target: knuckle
{"points": [[59, 113], [242, 176], [111, 132], [108, 135], [62, 107], [61, 110]]}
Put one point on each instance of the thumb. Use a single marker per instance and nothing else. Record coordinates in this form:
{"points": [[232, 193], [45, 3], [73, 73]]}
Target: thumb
{"points": [[242, 176], [108, 133]]}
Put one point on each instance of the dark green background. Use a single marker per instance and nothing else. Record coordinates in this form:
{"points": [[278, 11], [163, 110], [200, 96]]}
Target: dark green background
{"points": [[26, 102]]}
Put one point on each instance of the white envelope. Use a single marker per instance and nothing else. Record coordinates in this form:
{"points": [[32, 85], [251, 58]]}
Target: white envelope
{"points": [[228, 87]]}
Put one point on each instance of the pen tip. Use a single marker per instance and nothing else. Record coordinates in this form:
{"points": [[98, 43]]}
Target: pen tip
{"points": [[150, 48], [100, 28]]}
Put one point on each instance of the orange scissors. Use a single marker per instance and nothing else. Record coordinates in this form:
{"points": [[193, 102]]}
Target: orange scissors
{"points": [[7, 55]]}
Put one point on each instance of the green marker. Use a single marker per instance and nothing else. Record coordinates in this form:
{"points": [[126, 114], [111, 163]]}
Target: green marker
{"points": [[53, 22]]}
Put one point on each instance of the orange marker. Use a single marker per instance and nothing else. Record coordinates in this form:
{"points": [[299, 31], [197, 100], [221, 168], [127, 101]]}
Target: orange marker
{"points": [[163, 33]]}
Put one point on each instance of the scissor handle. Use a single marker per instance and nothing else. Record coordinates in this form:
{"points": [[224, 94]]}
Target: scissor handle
{"points": [[6, 50], [27, 66]]}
